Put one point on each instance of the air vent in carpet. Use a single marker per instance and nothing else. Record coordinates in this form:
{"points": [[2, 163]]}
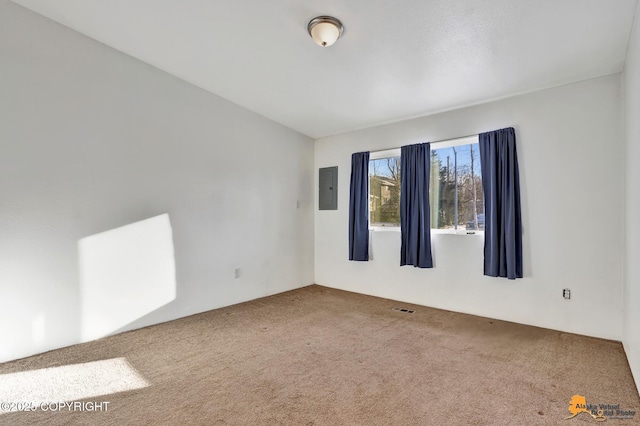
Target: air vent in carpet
{"points": [[405, 310]]}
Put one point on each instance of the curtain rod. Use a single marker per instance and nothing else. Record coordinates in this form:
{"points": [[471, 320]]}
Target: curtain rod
{"points": [[440, 141]]}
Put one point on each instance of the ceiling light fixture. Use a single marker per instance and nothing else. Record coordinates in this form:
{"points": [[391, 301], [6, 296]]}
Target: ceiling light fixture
{"points": [[325, 30]]}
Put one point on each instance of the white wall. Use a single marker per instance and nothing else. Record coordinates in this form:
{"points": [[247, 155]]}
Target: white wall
{"points": [[632, 271], [92, 140], [571, 156]]}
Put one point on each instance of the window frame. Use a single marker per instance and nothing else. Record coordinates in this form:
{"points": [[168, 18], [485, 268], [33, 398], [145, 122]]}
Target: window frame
{"points": [[380, 155], [467, 140], [396, 152]]}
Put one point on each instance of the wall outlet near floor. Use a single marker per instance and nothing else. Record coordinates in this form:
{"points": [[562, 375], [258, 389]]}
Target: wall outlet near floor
{"points": [[237, 273], [566, 293]]}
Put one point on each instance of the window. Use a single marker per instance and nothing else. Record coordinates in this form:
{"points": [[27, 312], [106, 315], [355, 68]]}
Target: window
{"points": [[455, 187], [384, 189]]}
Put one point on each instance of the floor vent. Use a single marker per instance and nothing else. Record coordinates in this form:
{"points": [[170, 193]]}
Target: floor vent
{"points": [[406, 311]]}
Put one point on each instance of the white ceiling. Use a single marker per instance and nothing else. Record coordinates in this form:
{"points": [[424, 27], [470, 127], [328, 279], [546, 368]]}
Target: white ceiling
{"points": [[396, 59]]}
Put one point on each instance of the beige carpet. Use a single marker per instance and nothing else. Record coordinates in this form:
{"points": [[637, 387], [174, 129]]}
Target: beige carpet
{"points": [[318, 356]]}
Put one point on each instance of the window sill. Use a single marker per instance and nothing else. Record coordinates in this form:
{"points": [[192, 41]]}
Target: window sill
{"points": [[384, 229], [463, 232]]}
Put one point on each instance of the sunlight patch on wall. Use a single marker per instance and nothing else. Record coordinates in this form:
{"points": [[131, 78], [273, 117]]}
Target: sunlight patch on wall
{"points": [[125, 273], [70, 382]]}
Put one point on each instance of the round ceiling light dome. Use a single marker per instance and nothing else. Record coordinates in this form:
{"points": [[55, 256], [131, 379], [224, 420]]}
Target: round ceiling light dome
{"points": [[325, 30]]}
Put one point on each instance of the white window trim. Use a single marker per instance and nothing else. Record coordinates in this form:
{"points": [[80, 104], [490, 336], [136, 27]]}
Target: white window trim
{"points": [[434, 231], [384, 228], [456, 232], [376, 155], [455, 142]]}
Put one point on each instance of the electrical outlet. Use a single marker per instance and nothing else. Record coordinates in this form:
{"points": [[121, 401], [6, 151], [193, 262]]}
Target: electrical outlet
{"points": [[566, 293], [237, 273]]}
